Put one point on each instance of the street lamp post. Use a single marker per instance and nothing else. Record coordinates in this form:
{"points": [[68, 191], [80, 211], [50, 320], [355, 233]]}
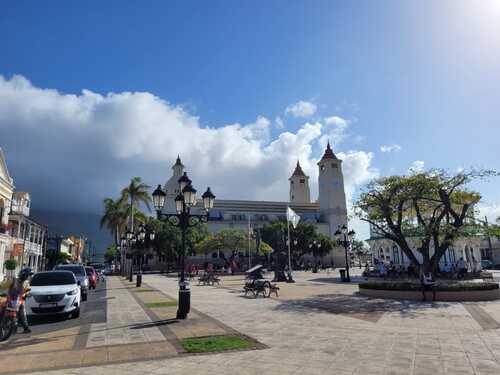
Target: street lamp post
{"points": [[314, 248], [345, 238], [183, 219]]}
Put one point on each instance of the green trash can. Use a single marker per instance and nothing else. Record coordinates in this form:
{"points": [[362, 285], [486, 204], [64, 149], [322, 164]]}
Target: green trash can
{"points": [[342, 275]]}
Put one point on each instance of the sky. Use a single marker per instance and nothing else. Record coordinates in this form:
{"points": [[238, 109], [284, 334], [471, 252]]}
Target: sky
{"points": [[93, 93]]}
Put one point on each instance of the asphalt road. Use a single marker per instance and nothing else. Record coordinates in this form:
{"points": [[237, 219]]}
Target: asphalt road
{"points": [[92, 311]]}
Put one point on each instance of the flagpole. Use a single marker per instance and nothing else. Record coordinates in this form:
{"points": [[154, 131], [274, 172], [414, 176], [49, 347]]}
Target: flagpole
{"points": [[249, 258], [289, 244]]}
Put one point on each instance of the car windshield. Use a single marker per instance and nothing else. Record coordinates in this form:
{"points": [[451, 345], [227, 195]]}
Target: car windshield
{"points": [[53, 278], [78, 271]]}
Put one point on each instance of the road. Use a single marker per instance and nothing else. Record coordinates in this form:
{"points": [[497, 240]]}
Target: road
{"points": [[92, 311]]}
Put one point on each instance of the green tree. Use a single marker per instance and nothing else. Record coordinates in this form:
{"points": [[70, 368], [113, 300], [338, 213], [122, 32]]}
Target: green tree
{"points": [[275, 234], [136, 193], [167, 240], [432, 207], [265, 249], [111, 253], [114, 217]]}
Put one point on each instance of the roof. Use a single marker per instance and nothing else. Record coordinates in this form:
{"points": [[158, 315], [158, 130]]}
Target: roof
{"points": [[298, 171], [329, 153], [178, 161]]}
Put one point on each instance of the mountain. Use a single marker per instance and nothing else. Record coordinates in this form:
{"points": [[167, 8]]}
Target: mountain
{"points": [[77, 223]]}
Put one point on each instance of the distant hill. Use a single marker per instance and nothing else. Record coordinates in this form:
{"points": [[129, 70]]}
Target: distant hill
{"points": [[77, 223]]}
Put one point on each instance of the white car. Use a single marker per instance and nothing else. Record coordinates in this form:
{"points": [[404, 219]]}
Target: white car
{"points": [[54, 292]]}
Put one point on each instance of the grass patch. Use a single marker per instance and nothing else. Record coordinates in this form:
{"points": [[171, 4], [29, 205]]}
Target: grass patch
{"points": [[153, 305], [144, 290], [215, 344]]}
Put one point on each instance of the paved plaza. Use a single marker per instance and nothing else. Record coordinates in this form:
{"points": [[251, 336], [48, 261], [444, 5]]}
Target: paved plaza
{"points": [[315, 326]]}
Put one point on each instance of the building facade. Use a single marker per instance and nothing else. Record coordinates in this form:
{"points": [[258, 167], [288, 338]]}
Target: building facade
{"points": [[28, 236], [6, 190], [386, 250], [327, 213]]}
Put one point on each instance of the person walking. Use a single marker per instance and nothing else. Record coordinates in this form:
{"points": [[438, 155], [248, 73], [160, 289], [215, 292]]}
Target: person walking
{"points": [[428, 285]]}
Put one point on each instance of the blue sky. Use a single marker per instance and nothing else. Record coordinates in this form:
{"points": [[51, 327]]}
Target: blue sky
{"points": [[421, 75]]}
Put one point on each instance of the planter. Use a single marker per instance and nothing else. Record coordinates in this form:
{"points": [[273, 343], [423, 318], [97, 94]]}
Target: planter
{"points": [[459, 296], [455, 291]]}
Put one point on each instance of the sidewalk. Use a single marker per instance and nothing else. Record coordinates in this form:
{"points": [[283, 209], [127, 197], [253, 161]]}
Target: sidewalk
{"points": [[132, 332]]}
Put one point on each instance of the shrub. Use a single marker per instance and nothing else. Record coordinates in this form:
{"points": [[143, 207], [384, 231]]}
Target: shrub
{"points": [[452, 286], [10, 264]]}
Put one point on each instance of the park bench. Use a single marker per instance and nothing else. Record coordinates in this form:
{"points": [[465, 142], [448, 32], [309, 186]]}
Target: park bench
{"points": [[208, 279]]}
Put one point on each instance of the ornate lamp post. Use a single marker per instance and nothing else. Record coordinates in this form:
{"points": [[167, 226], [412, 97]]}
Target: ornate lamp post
{"points": [[133, 240], [183, 219], [314, 247], [345, 239]]}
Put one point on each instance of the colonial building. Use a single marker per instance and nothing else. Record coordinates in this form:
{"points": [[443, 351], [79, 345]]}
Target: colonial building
{"points": [[385, 250], [327, 213], [6, 189], [28, 236]]}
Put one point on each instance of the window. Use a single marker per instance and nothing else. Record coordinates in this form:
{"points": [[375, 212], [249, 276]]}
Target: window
{"points": [[291, 182], [322, 168], [395, 254], [53, 278], [302, 180], [334, 166]]}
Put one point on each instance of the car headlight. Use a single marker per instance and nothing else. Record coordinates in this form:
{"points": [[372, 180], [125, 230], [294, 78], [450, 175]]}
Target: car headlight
{"points": [[73, 292]]}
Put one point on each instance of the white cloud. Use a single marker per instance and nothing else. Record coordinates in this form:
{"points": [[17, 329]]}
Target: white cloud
{"points": [[95, 143], [391, 148], [337, 121], [302, 109], [335, 130], [491, 211], [279, 122], [417, 166]]}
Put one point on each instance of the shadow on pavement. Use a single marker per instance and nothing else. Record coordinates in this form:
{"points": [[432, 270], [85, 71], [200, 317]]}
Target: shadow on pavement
{"points": [[157, 323], [359, 307]]}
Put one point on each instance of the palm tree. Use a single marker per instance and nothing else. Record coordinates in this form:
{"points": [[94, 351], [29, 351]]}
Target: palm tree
{"points": [[115, 217], [135, 193]]}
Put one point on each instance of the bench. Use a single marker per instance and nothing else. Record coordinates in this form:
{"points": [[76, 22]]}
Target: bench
{"points": [[208, 279]]}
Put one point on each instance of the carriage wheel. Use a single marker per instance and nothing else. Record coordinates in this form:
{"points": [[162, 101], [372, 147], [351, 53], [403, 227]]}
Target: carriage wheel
{"points": [[266, 292]]}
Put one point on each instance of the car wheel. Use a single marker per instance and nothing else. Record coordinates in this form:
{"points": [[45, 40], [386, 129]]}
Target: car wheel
{"points": [[84, 296], [76, 313]]}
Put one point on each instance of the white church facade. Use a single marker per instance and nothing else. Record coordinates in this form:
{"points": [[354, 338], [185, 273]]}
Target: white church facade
{"points": [[327, 213]]}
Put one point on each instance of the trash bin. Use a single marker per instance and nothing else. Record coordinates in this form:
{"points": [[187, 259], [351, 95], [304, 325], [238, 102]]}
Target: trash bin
{"points": [[342, 275]]}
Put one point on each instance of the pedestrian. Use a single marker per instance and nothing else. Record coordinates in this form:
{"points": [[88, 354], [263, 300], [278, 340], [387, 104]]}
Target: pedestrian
{"points": [[462, 268], [428, 285]]}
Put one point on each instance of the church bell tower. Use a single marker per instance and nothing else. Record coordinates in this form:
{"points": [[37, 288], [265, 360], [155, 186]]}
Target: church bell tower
{"points": [[172, 186], [299, 186], [332, 201]]}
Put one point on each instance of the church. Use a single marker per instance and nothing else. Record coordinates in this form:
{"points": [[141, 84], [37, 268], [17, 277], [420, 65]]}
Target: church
{"points": [[326, 213]]}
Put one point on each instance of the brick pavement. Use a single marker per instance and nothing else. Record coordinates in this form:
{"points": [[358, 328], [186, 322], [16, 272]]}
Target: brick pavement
{"points": [[132, 332], [341, 334]]}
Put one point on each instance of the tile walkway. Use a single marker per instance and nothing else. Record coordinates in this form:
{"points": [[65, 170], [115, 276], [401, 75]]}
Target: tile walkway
{"points": [[319, 327]]}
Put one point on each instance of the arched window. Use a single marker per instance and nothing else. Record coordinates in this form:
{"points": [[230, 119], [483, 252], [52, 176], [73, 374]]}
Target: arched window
{"points": [[2, 210], [395, 255]]}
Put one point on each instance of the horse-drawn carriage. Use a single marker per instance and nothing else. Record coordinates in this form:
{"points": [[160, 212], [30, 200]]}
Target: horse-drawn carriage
{"points": [[256, 284]]}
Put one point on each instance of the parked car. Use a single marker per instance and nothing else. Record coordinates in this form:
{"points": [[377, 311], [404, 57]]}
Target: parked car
{"points": [[92, 275], [487, 264], [54, 292], [80, 274]]}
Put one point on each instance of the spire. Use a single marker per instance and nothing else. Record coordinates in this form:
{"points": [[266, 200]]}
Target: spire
{"points": [[328, 153], [298, 170], [178, 161]]}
